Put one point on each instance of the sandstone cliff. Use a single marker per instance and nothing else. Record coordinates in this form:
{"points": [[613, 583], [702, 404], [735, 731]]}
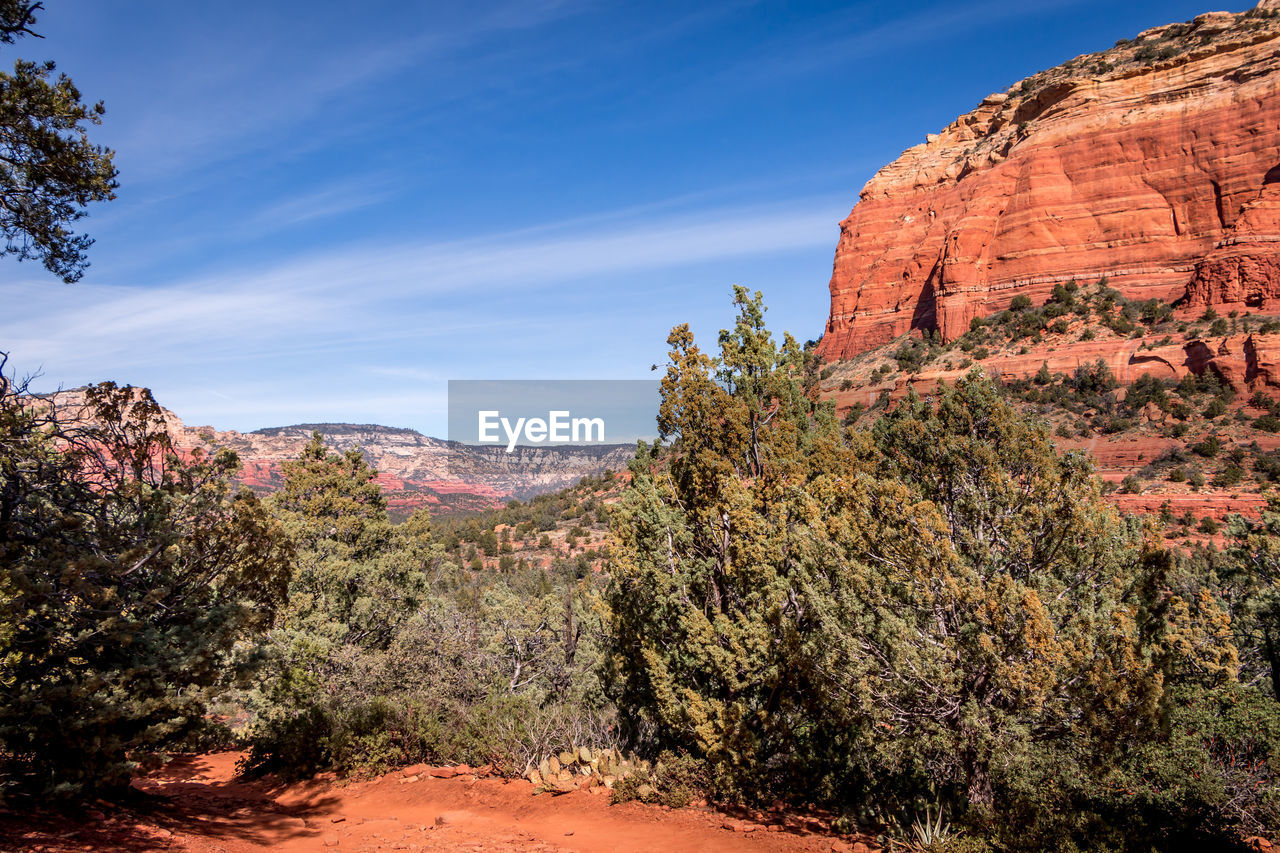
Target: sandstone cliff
{"points": [[1155, 164]]}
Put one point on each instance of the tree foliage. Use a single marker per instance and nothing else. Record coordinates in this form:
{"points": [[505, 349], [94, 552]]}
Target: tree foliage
{"points": [[390, 652], [1250, 574], [942, 607], [129, 576], [49, 170], [334, 511]]}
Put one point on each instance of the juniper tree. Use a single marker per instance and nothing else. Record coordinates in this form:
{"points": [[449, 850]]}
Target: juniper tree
{"points": [[1250, 572], [348, 587], [714, 638], [349, 595], [1003, 602], [129, 577], [943, 606], [390, 653]]}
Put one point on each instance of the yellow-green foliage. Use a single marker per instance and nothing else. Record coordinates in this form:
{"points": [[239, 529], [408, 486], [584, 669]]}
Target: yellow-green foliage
{"points": [[942, 606], [390, 652]]}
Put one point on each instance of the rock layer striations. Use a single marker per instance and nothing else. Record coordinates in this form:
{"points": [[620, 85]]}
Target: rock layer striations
{"points": [[1155, 164], [414, 470]]}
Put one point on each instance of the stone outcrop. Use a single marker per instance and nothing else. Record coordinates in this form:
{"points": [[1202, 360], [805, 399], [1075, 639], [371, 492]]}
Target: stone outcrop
{"points": [[1247, 363], [1155, 164]]}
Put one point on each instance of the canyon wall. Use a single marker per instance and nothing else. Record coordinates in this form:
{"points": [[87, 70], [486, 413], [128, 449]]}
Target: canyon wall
{"points": [[1155, 164]]}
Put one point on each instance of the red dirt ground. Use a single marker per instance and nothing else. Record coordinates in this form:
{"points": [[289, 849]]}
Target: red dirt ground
{"points": [[196, 804]]}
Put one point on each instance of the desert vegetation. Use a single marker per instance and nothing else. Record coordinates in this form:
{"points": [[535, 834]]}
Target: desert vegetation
{"points": [[921, 619], [934, 621]]}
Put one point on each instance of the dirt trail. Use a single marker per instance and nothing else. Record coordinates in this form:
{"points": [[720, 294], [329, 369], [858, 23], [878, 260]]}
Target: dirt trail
{"points": [[196, 804]]}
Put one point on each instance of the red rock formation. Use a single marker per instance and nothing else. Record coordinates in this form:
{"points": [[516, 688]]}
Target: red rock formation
{"points": [[1247, 363], [1244, 267], [414, 470], [1162, 174]]}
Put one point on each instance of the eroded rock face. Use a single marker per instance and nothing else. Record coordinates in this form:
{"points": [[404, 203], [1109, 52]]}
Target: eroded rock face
{"points": [[1246, 362], [414, 470], [1155, 164]]}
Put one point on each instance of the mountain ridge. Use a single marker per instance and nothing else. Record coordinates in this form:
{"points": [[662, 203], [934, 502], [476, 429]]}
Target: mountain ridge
{"points": [[415, 470]]}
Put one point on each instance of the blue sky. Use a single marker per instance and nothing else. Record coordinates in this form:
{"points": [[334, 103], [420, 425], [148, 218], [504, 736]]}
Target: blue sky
{"points": [[327, 210]]}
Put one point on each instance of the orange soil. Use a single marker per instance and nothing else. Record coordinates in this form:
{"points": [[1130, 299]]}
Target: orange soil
{"points": [[196, 804]]}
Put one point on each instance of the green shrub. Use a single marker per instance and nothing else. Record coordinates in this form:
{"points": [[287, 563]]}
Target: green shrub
{"points": [[1267, 465], [1155, 312], [1117, 424], [1229, 476], [378, 663], [776, 614], [913, 354], [1119, 324], [131, 582], [1267, 423], [1209, 447], [1147, 389]]}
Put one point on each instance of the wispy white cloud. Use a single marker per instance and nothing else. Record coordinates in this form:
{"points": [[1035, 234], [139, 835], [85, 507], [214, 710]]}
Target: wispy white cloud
{"points": [[369, 297], [309, 407], [333, 200], [287, 72]]}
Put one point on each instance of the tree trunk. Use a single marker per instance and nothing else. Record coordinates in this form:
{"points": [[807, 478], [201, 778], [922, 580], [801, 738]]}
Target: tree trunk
{"points": [[978, 782]]}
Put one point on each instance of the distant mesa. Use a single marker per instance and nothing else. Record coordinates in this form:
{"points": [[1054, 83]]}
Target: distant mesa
{"points": [[414, 470]]}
